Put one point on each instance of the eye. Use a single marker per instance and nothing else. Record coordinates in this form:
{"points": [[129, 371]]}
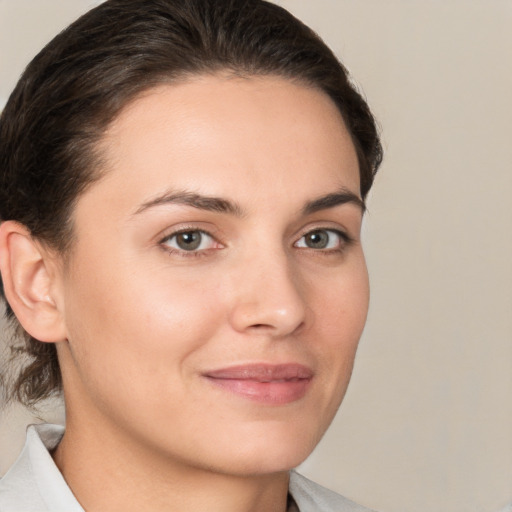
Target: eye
{"points": [[322, 239], [193, 240]]}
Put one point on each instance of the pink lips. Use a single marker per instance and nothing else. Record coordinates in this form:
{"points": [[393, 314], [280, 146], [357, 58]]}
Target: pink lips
{"points": [[267, 384]]}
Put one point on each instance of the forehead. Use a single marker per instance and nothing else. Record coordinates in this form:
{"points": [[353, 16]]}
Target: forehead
{"points": [[216, 133]]}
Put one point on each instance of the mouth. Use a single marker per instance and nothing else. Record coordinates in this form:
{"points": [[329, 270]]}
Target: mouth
{"points": [[264, 383]]}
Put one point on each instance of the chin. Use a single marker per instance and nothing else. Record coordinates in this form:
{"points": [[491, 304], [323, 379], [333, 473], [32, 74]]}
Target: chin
{"points": [[249, 464], [268, 449]]}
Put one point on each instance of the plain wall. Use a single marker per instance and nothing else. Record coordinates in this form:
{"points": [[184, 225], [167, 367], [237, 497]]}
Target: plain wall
{"points": [[427, 422]]}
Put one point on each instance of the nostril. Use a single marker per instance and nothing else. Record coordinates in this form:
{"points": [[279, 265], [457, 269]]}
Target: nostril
{"points": [[277, 329], [261, 326]]}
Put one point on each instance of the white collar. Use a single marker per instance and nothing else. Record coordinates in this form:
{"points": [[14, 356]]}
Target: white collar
{"points": [[35, 479]]}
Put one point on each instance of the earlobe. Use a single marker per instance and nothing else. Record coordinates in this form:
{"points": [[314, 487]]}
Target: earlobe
{"points": [[27, 276]]}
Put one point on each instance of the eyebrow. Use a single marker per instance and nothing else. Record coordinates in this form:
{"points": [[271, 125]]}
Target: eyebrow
{"points": [[344, 196], [201, 202], [221, 205]]}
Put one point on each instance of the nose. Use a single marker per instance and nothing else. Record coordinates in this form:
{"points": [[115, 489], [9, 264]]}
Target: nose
{"points": [[269, 298]]}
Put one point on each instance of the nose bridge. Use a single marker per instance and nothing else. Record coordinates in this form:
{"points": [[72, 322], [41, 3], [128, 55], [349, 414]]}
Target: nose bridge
{"points": [[269, 294]]}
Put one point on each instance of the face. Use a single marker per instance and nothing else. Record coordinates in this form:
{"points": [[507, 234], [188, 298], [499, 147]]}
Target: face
{"points": [[217, 289]]}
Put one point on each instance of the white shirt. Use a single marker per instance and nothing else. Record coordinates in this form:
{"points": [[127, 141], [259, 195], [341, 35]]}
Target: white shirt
{"points": [[34, 483]]}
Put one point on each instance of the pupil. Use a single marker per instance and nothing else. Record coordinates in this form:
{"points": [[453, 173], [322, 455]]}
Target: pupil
{"points": [[318, 240], [189, 241]]}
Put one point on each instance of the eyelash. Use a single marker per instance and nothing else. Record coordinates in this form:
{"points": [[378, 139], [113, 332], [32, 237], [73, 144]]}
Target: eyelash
{"points": [[344, 242], [182, 252]]}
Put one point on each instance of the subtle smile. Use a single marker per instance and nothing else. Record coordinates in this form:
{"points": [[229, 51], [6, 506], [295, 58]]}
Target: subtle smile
{"points": [[264, 383]]}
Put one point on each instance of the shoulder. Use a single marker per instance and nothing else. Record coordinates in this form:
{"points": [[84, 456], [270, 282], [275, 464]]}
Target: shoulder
{"points": [[312, 497]]}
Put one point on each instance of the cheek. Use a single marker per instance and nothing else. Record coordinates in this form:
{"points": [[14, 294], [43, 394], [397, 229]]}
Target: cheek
{"points": [[341, 302], [340, 308], [145, 322]]}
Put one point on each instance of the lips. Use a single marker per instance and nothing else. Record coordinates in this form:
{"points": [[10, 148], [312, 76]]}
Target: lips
{"points": [[267, 384]]}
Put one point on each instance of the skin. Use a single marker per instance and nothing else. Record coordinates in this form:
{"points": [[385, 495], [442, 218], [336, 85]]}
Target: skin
{"points": [[143, 320]]}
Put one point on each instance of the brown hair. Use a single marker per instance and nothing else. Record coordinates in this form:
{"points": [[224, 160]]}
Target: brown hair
{"points": [[76, 86]]}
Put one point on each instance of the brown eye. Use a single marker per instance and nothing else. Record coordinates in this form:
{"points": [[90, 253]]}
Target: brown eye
{"points": [[317, 239], [189, 241], [193, 240], [321, 239]]}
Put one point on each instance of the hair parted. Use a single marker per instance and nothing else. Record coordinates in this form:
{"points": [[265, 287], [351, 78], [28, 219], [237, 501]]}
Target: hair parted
{"points": [[77, 85]]}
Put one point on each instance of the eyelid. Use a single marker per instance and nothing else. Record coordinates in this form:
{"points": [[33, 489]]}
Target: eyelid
{"points": [[173, 232], [327, 226], [184, 227], [345, 238]]}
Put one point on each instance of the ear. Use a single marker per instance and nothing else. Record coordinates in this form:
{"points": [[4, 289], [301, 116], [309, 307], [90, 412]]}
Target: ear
{"points": [[29, 275]]}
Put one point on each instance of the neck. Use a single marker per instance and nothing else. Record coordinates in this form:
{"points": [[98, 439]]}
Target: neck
{"points": [[107, 470]]}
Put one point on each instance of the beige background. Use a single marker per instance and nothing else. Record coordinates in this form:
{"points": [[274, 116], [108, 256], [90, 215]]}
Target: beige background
{"points": [[427, 422]]}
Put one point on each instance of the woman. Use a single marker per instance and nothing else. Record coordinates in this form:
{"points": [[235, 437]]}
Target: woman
{"points": [[182, 189]]}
